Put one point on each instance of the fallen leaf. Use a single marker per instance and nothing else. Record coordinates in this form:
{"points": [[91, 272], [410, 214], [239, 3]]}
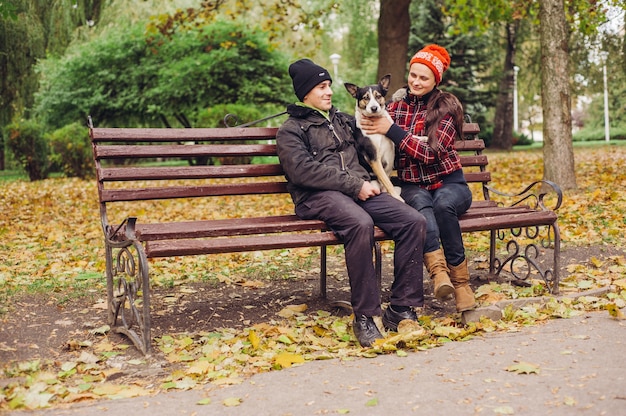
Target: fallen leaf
{"points": [[524, 368], [615, 312], [286, 359], [232, 401]]}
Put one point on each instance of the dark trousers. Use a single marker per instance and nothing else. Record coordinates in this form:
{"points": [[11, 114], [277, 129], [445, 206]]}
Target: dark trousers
{"points": [[442, 208], [353, 221]]}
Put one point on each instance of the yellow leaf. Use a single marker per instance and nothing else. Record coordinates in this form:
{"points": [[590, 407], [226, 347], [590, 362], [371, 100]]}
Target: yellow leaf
{"points": [[286, 359], [523, 368], [620, 283], [254, 339], [504, 410], [232, 401], [614, 311], [200, 368], [292, 310], [107, 389], [597, 263], [255, 284]]}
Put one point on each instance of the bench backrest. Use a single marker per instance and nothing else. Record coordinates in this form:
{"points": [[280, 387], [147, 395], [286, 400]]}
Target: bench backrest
{"points": [[123, 174]]}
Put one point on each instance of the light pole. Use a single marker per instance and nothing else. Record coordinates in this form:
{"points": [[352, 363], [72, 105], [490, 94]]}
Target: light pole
{"points": [[607, 136], [515, 118], [334, 58]]}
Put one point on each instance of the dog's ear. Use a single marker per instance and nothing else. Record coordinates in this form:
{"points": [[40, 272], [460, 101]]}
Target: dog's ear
{"points": [[384, 83], [352, 89]]}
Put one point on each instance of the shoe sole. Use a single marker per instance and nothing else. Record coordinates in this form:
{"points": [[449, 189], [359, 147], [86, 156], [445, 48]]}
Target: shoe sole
{"points": [[444, 292]]}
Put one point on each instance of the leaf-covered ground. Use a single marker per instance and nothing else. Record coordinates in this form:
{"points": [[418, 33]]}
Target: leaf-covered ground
{"points": [[218, 319]]}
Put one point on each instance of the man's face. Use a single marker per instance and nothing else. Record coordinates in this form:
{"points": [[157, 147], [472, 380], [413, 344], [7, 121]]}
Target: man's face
{"points": [[320, 96]]}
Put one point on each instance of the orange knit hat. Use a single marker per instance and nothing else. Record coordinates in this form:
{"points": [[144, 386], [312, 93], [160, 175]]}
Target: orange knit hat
{"points": [[434, 57]]}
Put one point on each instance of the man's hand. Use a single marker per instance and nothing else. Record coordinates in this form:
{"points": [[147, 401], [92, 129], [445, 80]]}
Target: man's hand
{"points": [[368, 190]]}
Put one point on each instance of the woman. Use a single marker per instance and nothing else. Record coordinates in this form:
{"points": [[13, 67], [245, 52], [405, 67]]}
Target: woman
{"points": [[426, 123]]}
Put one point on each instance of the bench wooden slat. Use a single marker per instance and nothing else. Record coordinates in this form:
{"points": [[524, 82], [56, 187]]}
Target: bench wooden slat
{"points": [[274, 224], [473, 177], [492, 211], [482, 204], [469, 145], [226, 227], [169, 248], [471, 129], [188, 172], [508, 221], [141, 194], [191, 247], [181, 134], [181, 150], [474, 160]]}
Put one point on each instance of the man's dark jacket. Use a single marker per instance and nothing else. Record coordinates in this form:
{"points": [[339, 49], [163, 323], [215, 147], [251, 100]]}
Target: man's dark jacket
{"points": [[319, 154]]}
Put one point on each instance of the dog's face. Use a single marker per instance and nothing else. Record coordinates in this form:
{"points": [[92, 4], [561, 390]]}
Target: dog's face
{"points": [[370, 100]]}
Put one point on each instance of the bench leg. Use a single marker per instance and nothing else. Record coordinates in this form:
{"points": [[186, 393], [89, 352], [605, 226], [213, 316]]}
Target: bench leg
{"points": [[378, 261], [323, 272], [557, 258], [492, 252], [128, 292], [526, 255]]}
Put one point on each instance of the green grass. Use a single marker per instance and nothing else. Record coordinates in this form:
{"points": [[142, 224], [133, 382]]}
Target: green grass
{"points": [[589, 143], [12, 175]]}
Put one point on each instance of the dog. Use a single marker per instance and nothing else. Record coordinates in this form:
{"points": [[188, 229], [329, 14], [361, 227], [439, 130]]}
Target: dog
{"points": [[378, 150]]}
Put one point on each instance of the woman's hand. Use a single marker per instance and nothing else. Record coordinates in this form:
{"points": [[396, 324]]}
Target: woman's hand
{"points": [[375, 125]]}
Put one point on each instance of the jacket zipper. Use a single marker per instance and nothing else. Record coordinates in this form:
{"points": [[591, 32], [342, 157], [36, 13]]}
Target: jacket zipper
{"points": [[341, 156]]}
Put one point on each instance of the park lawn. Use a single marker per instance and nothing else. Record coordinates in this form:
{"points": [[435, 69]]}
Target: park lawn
{"points": [[51, 238], [51, 246]]}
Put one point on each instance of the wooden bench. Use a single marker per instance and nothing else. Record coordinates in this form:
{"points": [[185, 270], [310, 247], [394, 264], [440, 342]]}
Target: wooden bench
{"points": [[132, 168]]}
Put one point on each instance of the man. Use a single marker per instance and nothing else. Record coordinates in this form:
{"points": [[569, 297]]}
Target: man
{"points": [[318, 152]]}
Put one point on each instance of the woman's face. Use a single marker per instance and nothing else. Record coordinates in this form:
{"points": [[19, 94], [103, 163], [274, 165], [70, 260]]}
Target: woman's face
{"points": [[421, 79], [320, 96]]}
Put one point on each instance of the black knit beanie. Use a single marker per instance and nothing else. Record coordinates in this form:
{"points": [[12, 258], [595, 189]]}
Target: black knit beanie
{"points": [[306, 75]]}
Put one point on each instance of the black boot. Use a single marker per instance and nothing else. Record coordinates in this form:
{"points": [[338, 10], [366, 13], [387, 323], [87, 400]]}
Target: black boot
{"points": [[392, 317], [365, 330]]}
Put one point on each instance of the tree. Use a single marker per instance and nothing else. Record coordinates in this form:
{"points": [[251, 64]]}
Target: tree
{"points": [[558, 163], [555, 33], [394, 26], [502, 121], [471, 54], [29, 31]]}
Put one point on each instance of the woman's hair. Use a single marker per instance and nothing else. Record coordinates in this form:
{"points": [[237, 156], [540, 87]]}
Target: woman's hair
{"points": [[441, 104]]}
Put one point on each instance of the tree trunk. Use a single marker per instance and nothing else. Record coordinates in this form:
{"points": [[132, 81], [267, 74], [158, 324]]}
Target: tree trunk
{"points": [[394, 26], [558, 152], [503, 119]]}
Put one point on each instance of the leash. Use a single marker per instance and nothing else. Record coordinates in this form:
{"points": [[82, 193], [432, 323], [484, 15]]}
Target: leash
{"points": [[231, 118]]}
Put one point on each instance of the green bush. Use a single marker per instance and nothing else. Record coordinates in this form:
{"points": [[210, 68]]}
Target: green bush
{"points": [[214, 116], [71, 151], [520, 139], [26, 141], [597, 134], [128, 78]]}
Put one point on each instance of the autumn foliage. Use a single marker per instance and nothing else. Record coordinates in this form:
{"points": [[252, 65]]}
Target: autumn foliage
{"points": [[50, 239]]}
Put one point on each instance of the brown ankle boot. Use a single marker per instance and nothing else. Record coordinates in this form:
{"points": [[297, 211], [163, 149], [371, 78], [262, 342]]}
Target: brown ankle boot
{"points": [[463, 294], [438, 270]]}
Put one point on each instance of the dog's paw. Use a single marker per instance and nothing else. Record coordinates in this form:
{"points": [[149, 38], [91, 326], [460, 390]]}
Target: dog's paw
{"points": [[399, 95]]}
